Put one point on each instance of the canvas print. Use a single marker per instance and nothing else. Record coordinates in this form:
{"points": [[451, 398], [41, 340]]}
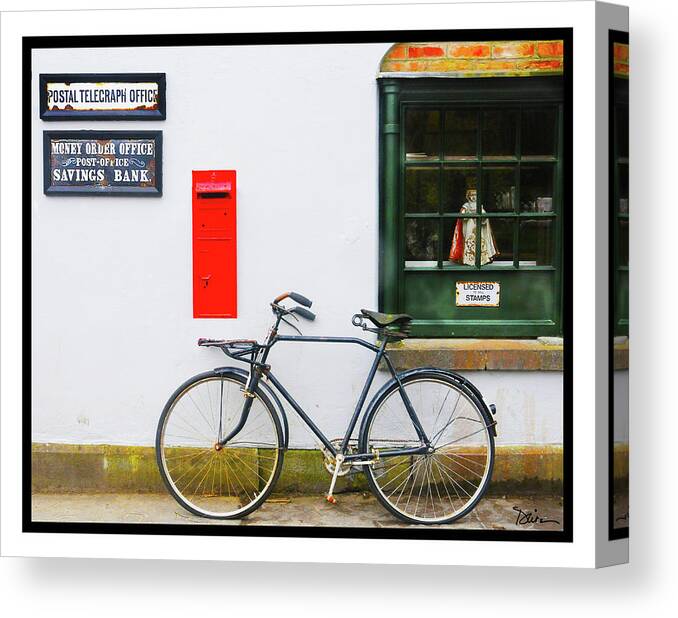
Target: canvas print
{"points": [[327, 292]]}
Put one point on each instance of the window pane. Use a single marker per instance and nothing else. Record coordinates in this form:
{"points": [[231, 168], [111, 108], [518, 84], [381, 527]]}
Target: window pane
{"points": [[456, 183], [497, 241], [421, 189], [536, 188], [453, 243], [461, 236], [622, 130], [536, 242], [623, 242], [623, 171], [499, 133], [421, 242], [422, 134], [499, 189], [538, 132], [461, 134]]}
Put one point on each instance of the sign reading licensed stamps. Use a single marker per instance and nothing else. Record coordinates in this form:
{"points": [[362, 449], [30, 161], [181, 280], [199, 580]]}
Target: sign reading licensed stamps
{"points": [[102, 96], [478, 293], [103, 162]]}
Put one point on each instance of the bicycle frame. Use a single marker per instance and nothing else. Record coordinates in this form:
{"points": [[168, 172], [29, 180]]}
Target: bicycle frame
{"points": [[259, 368]]}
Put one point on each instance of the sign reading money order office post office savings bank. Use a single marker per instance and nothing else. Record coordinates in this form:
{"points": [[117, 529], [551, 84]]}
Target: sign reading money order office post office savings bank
{"points": [[478, 293], [103, 162], [102, 96]]}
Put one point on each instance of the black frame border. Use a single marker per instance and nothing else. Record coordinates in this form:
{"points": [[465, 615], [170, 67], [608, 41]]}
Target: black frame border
{"points": [[614, 36], [52, 191], [126, 78], [299, 38]]}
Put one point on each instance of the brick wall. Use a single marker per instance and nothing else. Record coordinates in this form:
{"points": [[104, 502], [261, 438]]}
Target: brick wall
{"points": [[621, 59], [476, 59]]}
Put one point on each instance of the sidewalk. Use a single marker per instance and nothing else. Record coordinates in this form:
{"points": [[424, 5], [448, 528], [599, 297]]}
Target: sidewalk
{"points": [[355, 509]]}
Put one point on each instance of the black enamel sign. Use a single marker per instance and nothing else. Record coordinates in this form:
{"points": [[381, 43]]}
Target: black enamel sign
{"points": [[103, 162], [102, 96]]}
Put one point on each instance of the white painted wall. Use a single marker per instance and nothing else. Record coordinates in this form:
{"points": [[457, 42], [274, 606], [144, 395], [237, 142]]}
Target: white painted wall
{"points": [[113, 332]]}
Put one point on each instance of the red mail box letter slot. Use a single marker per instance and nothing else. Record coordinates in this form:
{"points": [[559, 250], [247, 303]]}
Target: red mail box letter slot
{"points": [[215, 268]]}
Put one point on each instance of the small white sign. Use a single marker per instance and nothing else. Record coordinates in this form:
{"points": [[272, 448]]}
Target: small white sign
{"points": [[478, 293]]}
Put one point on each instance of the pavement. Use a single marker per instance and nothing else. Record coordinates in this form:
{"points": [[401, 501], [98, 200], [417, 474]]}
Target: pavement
{"points": [[621, 509], [355, 509]]}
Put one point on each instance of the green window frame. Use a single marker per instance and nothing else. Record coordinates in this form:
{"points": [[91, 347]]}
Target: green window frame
{"points": [[416, 202]]}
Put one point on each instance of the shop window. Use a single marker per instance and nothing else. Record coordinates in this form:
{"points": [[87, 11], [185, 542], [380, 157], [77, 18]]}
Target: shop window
{"points": [[472, 191]]}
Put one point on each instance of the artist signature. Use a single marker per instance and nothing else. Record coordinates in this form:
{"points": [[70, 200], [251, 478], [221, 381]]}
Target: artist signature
{"points": [[524, 518]]}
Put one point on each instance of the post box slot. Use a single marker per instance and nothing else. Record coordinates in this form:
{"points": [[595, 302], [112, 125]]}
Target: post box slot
{"points": [[213, 196]]}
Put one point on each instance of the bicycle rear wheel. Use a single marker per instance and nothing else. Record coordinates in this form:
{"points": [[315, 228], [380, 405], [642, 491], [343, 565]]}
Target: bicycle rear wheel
{"points": [[446, 484], [228, 482]]}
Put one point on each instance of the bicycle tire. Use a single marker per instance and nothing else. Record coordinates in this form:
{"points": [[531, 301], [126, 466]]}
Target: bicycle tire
{"points": [[450, 467], [226, 475]]}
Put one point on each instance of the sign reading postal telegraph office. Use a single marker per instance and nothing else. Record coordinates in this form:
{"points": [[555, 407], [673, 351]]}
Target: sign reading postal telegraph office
{"points": [[102, 96], [103, 162]]}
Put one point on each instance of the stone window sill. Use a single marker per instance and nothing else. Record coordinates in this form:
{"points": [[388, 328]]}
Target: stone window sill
{"points": [[621, 353], [543, 354]]}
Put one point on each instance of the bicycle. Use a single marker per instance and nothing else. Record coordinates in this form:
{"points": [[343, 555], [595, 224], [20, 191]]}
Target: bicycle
{"points": [[426, 439]]}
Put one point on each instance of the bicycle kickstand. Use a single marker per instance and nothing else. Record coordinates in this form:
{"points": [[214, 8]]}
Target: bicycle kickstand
{"points": [[337, 466]]}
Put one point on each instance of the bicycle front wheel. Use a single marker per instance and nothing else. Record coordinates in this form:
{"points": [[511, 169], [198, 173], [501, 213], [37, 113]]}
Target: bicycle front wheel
{"points": [[219, 483], [441, 486]]}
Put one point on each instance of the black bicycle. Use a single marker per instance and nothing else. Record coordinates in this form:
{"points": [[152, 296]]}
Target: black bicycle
{"points": [[426, 439]]}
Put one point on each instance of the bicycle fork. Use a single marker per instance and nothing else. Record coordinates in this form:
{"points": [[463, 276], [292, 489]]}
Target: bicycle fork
{"points": [[248, 393]]}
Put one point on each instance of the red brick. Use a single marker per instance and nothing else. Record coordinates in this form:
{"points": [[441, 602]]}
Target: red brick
{"points": [[428, 51], [514, 49], [621, 52], [466, 50], [550, 49], [494, 66], [398, 52], [541, 65], [621, 68], [388, 66]]}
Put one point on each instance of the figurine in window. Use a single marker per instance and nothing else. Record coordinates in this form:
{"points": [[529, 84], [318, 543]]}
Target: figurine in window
{"points": [[463, 249]]}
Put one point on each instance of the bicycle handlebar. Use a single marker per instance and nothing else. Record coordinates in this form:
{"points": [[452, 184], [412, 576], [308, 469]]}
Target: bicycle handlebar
{"points": [[296, 297], [304, 313]]}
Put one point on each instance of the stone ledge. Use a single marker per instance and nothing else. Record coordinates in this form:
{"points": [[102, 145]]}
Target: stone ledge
{"points": [[621, 354], [70, 468], [478, 354]]}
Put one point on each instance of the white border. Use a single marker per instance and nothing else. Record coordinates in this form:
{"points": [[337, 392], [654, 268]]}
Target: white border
{"points": [[579, 15]]}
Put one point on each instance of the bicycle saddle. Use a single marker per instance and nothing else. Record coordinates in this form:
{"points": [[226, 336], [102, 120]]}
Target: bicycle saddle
{"points": [[382, 320]]}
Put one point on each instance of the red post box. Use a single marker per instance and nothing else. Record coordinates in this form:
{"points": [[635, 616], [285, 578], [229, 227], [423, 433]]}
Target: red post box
{"points": [[215, 284]]}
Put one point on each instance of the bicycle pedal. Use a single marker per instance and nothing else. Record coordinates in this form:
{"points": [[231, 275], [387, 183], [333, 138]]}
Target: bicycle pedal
{"points": [[331, 499]]}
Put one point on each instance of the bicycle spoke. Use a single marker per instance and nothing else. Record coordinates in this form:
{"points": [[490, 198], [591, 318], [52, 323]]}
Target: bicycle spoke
{"points": [[441, 472], [449, 422], [199, 411], [467, 459], [463, 466], [464, 437], [451, 471]]}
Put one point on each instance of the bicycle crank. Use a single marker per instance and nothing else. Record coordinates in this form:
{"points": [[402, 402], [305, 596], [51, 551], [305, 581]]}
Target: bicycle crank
{"points": [[337, 468], [330, 462]]}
